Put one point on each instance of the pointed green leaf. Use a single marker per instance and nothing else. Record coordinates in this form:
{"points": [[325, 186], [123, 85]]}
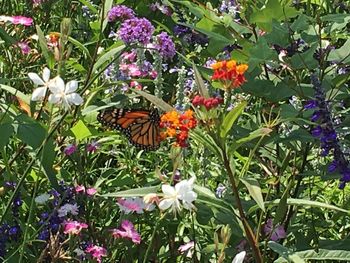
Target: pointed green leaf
{"points": [[203, 90], [108, 56], [133, 192], [155, 100], [254, 190], [285, 253], [230, 118], [44, 49]]}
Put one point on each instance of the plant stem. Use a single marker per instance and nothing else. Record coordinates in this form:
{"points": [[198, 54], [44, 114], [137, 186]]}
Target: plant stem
{"points": [[151, 240], [248, 231]]}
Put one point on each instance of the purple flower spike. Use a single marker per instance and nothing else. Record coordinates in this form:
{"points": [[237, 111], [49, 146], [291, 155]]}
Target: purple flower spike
{"points": [[311, 104]]}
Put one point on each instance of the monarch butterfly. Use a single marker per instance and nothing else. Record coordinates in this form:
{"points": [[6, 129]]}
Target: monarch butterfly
{"points": [[141, 127]]}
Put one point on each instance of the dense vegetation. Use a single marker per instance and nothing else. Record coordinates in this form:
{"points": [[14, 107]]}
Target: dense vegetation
{"points": [[174, 131]]}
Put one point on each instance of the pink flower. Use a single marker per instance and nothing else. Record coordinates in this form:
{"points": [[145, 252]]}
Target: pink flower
{"points": [[73, 227], [132, 70], [130, 205], [24, 47], [70, 149], [92, 147], [21, 20], [97, 252], [153, 74], [131, 56], [187, 249], [91, 191], [80, 188], [127, 230], [135, 84], [276, 232]]}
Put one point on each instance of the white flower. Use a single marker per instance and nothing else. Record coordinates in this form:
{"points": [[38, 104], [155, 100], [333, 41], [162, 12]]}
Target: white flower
{"points": [[39, 93], [68, 208], [42, 199], [64, 94], [79, 252], [239, 257], [181, 192]]}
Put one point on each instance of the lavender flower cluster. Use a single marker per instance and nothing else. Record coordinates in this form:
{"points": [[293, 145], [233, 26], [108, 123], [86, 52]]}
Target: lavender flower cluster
{"points": [[120, 12], [136, 30], [326, 132], [165, 45]]}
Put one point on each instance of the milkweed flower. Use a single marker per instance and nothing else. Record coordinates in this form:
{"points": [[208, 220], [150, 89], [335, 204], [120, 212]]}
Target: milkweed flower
{"points": [[178, 125], [136, 30], [17, 20], [229, 73], [127, 230], [120, 12], [64, 94], [208, 103], [182, 193], [73, 227], [42, 83], [96, 252]]}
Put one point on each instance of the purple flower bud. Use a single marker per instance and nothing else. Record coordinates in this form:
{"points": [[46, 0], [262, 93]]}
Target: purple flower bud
{"points": [[317, 131], [311, 104], [70, 149], [136, 30], [92, 147]]}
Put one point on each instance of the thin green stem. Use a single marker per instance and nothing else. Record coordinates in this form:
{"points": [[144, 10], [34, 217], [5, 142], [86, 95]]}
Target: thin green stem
{"points": [[151, 240]]}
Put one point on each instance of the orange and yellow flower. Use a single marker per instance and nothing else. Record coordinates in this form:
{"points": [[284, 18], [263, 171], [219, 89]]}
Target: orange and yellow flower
{"points": [[178, 126], [228, 72]]}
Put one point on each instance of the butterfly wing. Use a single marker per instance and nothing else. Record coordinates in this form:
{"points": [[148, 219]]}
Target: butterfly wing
{"points": [[140, 126]]}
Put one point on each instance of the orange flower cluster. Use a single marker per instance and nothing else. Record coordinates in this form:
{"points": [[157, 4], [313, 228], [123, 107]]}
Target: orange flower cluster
{"points": [[178, 126], [230, 73]]}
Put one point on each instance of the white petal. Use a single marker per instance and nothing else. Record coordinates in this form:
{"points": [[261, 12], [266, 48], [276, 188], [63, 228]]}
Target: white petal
{"points": [[55, 98], [165, 204], [46, 74], [71, 86], [39, 93], [74, 98], [56, 85], [189, 197], [36, 79], [239, 257], [168, 190]]}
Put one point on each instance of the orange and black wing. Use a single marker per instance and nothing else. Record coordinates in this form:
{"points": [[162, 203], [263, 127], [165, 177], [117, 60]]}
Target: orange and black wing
{"points": [[140, 126]]}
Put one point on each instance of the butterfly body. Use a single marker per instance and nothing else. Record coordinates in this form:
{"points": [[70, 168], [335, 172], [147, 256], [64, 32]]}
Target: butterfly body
{"points": [[141, 127]]}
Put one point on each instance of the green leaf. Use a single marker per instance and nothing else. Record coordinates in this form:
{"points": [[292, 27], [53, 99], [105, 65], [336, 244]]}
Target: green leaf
{"points": [[107, 6], [282, 206], [341, 54], [80, 130], [155, 100], [6, 37], [261, 52], [253, 135], [47, 160], [285, 253], [6, 131], [80, 46], [301, 23], [203, 90], [230, 118], [303, 203], [207, 141], [254, 190], [325, 254], [30, 131], [305, 59], [108, 56], [44, 49], [16, 93], [133, 192]]}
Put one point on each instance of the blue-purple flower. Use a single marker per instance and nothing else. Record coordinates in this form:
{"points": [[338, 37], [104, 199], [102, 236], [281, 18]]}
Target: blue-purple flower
{"points": [[120, 12], [325, 131], [136, 30], [165, 45]]}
